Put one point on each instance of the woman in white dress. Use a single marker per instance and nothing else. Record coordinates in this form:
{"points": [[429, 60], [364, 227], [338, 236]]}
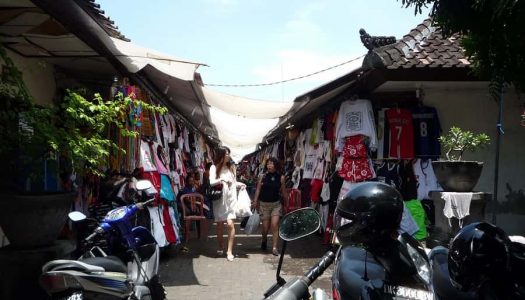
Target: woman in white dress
{"points": [[222, 172]]}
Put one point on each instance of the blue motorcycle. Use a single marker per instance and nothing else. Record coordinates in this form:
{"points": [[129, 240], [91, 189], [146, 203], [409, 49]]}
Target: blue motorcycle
{"points": [[96, 275]]}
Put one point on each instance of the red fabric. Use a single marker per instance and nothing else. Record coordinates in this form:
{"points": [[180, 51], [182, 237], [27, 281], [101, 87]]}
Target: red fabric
{"points": [[315, 191], [294, 201], [154, 177], [328, 230], [356, 170], [401, 133], [169, 231], [355, 147]]}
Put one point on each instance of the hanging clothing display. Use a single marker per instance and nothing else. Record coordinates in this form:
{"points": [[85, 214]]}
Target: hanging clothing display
{"points": [[339, 148], [355, 117], [401, 134], [427, 130]]}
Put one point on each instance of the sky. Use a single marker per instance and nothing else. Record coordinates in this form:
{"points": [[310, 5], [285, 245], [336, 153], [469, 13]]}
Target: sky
{"points": [[262, 41], [247, 42]]}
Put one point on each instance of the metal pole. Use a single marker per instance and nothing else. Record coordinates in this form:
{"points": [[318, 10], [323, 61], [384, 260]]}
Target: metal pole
{"points": [[499, 127]]}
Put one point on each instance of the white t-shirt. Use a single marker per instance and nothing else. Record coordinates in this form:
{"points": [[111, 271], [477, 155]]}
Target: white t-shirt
{"points": [[355, 117], [426, 179]]}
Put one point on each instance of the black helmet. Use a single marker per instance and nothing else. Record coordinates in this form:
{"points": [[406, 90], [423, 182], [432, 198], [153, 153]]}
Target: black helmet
{"points": [[371, 210], [479, 252]]}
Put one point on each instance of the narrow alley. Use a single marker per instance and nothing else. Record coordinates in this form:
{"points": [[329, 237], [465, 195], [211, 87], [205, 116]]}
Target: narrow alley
{"points": [[200, 273]]}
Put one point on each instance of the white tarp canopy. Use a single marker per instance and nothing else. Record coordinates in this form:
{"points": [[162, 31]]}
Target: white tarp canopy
{"points": [[240, 134], [245, 107], [135, 58]]}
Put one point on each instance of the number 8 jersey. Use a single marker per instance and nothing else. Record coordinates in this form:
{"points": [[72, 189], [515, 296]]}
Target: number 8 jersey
{"points": [[401, 133], [426, 132]]}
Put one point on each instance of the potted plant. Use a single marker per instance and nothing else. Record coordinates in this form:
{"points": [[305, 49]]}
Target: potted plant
{"points": [[455, 174], [71, 135]]}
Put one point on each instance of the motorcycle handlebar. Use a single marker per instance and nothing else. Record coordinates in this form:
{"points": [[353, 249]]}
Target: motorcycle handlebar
{"points": [[298, 288], [321, 266], [97, 231]]}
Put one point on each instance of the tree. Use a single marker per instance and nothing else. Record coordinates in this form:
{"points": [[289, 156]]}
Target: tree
{"points": [[493, 36]]}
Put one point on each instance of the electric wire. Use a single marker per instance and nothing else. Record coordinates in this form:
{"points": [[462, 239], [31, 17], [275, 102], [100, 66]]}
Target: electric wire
{"points": [[287, 80]]}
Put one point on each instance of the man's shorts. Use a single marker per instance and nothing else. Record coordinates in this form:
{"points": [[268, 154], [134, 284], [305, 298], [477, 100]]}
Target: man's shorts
{"points": [[269, 209]]}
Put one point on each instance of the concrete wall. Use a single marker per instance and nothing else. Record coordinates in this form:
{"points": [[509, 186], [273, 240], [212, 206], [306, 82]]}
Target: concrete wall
{"points": [[38, 76], [470, 107], [40, 80]]}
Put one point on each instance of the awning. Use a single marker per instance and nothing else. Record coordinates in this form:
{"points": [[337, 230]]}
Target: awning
{"points": [[310, 102], [245, 107], [136, 58], [238, 132]]}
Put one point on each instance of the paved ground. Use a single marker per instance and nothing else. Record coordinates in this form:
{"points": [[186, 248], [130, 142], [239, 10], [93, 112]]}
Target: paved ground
{"points": [[201, 274]]}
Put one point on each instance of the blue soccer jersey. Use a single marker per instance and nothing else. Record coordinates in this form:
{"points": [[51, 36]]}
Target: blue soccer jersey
{"points": [[426, 132]]}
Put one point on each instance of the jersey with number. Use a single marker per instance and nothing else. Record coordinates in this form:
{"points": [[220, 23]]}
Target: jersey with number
{"points": [[426, 132], [401, 133]]}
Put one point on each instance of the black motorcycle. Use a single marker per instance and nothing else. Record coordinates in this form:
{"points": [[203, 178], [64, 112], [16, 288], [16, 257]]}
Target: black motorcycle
{"points": [[402, 272]]}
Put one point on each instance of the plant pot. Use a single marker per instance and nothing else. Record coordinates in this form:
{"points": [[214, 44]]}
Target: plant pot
{"points": [[31, 221], [457, 176]]}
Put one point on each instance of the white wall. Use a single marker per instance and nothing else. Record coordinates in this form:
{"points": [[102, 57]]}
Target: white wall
{"points": [[38, 76], [472, 108]]}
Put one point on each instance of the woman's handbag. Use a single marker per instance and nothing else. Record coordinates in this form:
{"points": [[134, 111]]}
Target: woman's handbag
{"points": [[213, 193]]}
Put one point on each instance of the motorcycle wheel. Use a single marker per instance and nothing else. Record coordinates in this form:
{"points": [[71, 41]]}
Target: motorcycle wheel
{"points": [[73, 296], [156, 289]]}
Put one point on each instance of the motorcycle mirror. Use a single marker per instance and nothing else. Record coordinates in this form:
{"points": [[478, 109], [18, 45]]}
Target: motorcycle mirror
{"points": [[76, 216], [299, 223], [142, 185]]}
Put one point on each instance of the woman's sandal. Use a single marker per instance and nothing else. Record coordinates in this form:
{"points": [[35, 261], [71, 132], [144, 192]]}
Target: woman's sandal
{"points": [[230, 257], [275, 252]]}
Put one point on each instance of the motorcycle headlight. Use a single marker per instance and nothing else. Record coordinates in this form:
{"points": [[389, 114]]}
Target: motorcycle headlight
{"points": [[422, 266]]}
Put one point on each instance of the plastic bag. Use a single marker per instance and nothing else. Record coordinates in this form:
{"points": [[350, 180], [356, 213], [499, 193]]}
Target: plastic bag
{"points": [[253, 223], [243, 208]]}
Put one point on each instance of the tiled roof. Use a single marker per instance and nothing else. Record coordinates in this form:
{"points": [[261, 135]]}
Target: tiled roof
{"points": [[423, 47], [93, 9]]}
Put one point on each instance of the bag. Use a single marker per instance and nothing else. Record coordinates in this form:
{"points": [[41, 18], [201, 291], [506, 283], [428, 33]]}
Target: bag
{"points": [[213, 193], [253, 223], [243, 207]]}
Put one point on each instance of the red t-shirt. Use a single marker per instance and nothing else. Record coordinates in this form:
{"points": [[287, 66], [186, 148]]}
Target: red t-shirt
{"points": [[401, 133]]}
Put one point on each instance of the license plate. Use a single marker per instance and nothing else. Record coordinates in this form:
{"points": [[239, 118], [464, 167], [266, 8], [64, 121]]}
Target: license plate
{"points": [[405, 293]]}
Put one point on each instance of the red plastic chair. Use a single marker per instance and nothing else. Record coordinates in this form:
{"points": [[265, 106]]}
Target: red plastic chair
{"points": [[193, 210], [293, 201]]}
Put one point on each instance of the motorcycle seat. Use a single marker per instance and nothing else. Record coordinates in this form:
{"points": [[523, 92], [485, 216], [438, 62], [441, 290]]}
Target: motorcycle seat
{"points": [[109, 263], [65, 264]]}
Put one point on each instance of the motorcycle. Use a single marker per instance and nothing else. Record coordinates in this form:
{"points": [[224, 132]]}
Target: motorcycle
{"points": [[96, 275], [296, 225], [402, 273]]}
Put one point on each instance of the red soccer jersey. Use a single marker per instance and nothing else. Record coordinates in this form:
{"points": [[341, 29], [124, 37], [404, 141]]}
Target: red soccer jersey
{"points": [[401, 133]]}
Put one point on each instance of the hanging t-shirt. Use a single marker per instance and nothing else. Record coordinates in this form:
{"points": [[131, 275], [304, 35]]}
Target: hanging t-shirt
{"points": [[355, 117], [426, 179], [381, 132], [388, 172], [401, 133], [310, 163], [426, 131], [146, 157]]}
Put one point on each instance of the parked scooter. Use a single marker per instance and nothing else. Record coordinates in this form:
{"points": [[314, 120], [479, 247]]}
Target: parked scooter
{"points": [[96, 275], [371, 262]]}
